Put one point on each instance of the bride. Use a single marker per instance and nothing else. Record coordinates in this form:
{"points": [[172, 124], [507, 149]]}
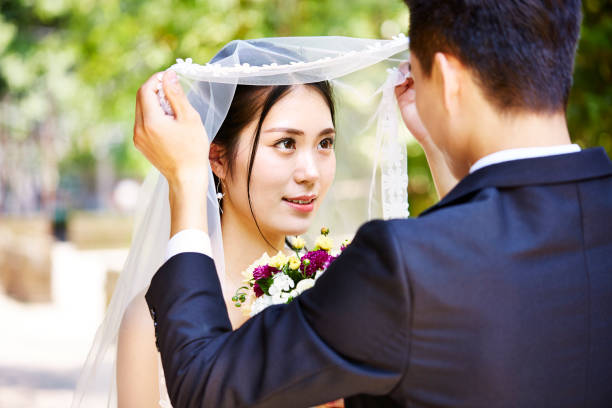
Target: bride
{"points": [[273, 160], [267, 107]]}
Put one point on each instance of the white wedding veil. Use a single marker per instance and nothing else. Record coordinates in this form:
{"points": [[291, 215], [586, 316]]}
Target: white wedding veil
{"points": [[371, 178]]}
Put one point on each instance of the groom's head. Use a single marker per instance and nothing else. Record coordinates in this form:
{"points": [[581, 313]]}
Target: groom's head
{"points": [[518, 54]]}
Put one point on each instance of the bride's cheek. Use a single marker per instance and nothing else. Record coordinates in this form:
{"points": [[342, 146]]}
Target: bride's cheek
{"points": [[328, 171]]}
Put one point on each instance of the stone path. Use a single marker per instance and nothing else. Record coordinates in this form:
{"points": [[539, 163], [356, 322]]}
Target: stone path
{"points": [[42, 346]]}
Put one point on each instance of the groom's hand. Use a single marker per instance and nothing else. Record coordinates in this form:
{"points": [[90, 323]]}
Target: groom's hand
{"points": [[405, 93], [406, 99], [177, 146]]}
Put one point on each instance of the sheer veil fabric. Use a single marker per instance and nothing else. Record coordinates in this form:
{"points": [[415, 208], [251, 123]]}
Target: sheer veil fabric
{"points": [[371, 177]]}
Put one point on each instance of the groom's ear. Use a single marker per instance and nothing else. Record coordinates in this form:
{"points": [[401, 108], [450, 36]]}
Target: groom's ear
{"points": [[218, 162], [448, 72]]}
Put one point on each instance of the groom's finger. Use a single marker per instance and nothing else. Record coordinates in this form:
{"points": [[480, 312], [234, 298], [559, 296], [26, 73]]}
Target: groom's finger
{"points": [[405, 68], [404, 87]]}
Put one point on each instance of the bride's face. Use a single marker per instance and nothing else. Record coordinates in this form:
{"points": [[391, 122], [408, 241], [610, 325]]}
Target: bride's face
{"points": [[293, 168]]}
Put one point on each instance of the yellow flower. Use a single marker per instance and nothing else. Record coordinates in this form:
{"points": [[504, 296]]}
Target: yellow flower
{"points": [[294, 262], [324, 243], [278, 261], [299, 243]]}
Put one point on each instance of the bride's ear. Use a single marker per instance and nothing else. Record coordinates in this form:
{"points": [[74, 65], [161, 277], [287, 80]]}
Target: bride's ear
{"points": [[218, 163]]}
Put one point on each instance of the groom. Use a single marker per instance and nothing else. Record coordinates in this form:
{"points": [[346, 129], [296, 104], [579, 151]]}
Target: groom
{"points": [[499, 295]]}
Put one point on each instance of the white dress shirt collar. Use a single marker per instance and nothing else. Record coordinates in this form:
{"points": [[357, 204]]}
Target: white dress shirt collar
{"points": [[523, 153]]}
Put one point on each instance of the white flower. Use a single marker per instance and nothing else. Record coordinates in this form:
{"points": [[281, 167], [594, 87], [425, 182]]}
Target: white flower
{"points": [[304, 284], [318, 274], [335, 252], [260, 304], [280, 298], [281, 283]]}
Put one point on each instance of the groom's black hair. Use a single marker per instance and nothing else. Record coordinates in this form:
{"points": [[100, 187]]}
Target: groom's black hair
{"points": [[521, 52]]}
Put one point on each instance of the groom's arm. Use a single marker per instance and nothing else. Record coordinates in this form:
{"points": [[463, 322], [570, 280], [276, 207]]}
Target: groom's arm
{"points": [[348, 335]]}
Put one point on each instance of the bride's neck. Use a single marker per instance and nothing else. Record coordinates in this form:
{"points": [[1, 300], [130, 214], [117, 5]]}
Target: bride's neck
{"points": [[243, 243]]}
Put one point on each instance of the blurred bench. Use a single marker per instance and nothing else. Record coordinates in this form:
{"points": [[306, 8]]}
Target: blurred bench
{"points": [[89, 230], [25, 258]]}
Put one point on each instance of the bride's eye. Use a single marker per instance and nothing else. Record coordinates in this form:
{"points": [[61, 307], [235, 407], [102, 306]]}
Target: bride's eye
{"points": [[327, 143], [286, 144]]}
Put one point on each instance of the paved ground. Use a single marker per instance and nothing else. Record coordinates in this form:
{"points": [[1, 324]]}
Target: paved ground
{"points": [[42, 346]]}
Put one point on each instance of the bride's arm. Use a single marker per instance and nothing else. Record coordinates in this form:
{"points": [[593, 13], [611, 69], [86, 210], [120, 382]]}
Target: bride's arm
{"points": [[137, 362]]}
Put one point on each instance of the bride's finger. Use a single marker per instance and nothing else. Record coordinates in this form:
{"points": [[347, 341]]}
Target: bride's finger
{"points": [[175, 95], [148, 99], [139, 131], [137, 122]]}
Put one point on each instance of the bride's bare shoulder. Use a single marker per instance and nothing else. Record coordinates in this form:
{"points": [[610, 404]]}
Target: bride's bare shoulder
{"points": [[137, 363], [136, 319]]}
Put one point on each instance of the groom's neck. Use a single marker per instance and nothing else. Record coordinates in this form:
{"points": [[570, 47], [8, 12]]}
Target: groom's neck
{"points": [[497, 132]]}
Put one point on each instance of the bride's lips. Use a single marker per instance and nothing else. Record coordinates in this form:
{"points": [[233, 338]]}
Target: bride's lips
{"points": [[303, 203]]}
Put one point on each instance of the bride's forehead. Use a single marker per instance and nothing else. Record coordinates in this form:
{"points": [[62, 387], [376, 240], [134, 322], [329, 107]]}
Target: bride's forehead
{"points": [[301, 102]]}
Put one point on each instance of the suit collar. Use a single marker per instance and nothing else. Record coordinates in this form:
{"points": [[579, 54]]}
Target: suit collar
{"points": [[589, 163]]}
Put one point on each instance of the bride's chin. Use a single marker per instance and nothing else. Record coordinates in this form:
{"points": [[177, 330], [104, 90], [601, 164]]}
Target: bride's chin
{"points": [[292, 229]]}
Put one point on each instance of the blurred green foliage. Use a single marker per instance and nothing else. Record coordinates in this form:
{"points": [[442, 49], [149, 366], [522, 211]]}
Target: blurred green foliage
{"points": [[69, 69], [590, 106]]}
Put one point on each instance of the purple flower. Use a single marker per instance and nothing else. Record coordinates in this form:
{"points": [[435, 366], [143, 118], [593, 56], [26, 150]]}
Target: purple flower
{"points": [[264, 271], [329, 261], [258, 291], [318, 260]]}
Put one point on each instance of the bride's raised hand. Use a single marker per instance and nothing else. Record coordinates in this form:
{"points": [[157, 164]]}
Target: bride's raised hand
{"points": [[177, 146]]}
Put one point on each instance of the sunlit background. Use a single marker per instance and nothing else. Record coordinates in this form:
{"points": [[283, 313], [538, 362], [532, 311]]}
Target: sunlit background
{"points": [[69, 174]]}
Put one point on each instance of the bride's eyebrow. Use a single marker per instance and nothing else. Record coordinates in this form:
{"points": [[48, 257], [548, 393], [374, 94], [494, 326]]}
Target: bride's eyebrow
{"points": [[328, 131]]}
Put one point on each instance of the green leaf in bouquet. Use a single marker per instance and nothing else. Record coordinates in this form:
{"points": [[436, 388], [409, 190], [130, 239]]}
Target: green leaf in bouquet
{"points": [[295, 275], [265, 283]]}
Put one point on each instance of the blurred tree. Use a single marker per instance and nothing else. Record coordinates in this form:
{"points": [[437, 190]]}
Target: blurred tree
{"points": [[590, 106], [69, 70]]}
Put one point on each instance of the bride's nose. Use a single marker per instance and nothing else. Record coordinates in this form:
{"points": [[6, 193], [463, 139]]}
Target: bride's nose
{"points": [[306, 170]]}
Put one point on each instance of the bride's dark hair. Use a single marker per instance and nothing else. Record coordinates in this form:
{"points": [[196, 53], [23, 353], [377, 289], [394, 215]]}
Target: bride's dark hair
{"points": [[254, 103]]}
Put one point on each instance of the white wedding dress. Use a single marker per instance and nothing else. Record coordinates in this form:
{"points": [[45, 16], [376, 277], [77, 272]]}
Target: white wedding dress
{"points": [[164, 398]]}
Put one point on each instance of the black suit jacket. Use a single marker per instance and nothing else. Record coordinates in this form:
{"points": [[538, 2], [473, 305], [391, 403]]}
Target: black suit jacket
{"points": [[498, 296]]}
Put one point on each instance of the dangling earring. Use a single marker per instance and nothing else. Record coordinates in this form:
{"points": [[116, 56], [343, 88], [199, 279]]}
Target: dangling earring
{"points": [[220, 195]]}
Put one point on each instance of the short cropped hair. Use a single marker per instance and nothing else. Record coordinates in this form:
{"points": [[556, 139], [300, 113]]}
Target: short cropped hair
{"points": [[521, 52]]}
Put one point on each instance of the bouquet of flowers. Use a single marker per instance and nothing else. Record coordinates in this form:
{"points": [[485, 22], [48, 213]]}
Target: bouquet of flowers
{"points": [[281, 278]]}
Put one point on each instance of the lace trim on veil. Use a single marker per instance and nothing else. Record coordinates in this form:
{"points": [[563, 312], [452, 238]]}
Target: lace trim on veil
{"points": [[188, 69]]}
